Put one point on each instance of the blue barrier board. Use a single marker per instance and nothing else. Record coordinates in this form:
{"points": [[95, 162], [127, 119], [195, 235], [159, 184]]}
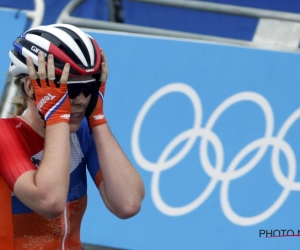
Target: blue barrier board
{"points": [[213, 131]]}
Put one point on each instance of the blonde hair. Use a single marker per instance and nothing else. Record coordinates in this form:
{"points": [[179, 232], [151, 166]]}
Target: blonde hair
{"points": [[20, 100]]}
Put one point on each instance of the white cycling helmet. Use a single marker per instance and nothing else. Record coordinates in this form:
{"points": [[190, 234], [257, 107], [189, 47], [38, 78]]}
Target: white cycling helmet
{"points": [[67, 43]]}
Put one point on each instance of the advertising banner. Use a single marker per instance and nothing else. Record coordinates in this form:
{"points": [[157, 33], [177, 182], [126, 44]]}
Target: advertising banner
{"points": [[213, 130]]}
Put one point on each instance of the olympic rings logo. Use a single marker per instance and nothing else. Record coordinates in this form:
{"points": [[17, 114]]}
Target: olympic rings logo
{"points": [[215, 172]]}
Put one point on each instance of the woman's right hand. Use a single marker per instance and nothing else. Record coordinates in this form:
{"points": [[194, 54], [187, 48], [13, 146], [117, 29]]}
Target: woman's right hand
{"points": [[94, 112], [51, 100]]}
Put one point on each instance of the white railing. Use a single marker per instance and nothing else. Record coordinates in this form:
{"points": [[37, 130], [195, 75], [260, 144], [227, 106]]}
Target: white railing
{"points": [[261, 39]]}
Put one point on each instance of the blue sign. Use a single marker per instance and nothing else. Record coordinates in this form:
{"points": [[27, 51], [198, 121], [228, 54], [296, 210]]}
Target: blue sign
{"points": [[214, 132]]}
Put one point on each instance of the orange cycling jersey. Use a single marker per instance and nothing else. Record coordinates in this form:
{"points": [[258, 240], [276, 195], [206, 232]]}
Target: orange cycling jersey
{"points": [[21, 149]]}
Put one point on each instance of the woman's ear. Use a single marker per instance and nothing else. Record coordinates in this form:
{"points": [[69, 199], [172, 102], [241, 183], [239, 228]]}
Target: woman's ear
{"points": [[28, 88]]}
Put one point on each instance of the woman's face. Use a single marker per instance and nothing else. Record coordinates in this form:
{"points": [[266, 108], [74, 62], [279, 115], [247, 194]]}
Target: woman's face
{"points": [[78, 104]]}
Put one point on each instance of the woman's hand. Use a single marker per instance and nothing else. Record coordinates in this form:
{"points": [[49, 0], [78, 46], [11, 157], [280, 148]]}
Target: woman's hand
{"points": [[51, 100], [104, 68], [94, 112]]}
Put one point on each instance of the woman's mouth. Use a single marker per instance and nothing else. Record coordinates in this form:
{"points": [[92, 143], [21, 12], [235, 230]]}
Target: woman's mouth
{"points": [[75, 117]]}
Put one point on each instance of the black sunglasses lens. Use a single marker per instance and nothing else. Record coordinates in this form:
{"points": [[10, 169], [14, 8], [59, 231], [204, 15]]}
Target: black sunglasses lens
{"points": [[88, 89], [75, 89]]}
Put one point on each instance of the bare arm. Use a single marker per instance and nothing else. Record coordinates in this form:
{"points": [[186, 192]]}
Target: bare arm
{"points": [[122, 188], [45, 190]]}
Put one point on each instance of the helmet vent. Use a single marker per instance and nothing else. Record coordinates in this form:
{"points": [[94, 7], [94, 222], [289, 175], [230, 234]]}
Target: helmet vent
{"points": [[79, 42]]}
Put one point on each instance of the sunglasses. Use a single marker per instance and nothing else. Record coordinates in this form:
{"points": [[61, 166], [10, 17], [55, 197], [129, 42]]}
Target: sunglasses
{"points": [[75, 88]]}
